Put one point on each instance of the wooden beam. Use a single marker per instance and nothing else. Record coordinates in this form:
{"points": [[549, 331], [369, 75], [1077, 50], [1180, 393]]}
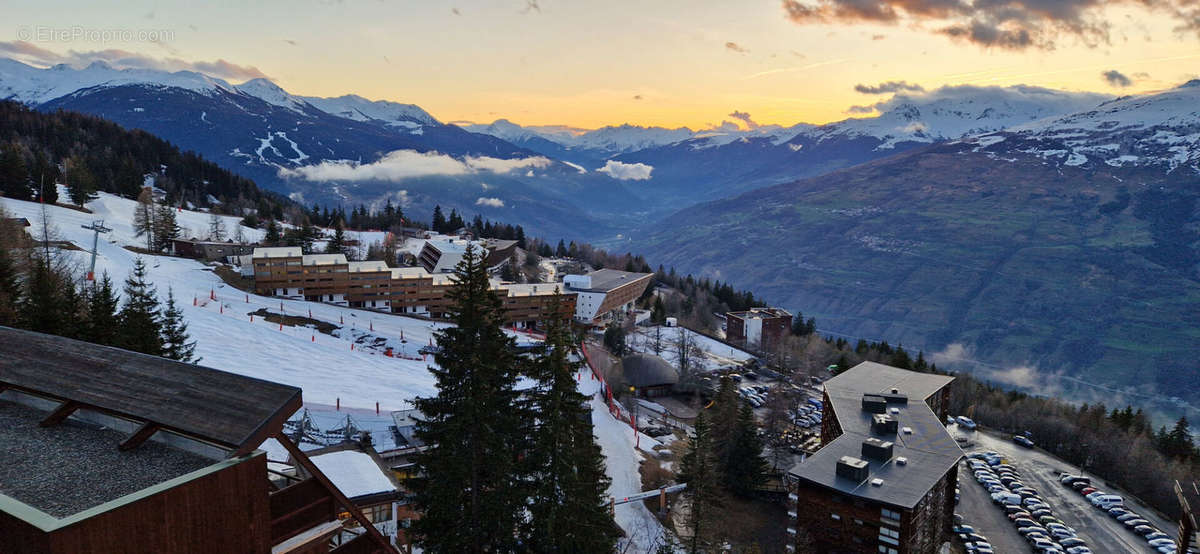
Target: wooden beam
{"points": [[60, 414], [138, 437], [301, 459]]}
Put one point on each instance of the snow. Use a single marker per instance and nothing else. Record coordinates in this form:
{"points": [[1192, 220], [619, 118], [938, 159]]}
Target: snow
{"points": [[271, 93], [358, 108], [354, 473], [33, 85], [716, 353], [324, 366]]}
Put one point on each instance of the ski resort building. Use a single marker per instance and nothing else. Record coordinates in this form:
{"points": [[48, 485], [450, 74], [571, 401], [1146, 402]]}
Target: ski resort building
{"points": [[107, 450], [286, 272], [209, 250], [758, 328], [605, 295], [883, 480], [441, 255]]}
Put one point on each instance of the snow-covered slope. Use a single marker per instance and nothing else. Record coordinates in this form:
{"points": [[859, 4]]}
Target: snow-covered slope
{"points": [[358, 108], [954, 112], [1150, 130], [34, 86]]}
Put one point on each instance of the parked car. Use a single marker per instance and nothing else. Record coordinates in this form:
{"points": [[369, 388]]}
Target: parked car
{"points": [[1023, 441], [966, 422]]}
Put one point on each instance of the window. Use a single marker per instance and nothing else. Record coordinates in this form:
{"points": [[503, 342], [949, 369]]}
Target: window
{"points": [[884, 531], [886, 550], [836, 517]]}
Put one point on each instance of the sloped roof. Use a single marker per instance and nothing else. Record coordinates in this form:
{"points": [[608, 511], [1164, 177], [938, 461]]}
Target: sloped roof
{"points": [[227, 409], [648, 370]]}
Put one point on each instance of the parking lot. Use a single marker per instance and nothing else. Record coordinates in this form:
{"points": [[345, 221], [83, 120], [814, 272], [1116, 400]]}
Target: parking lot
{"points": [[1041, 471]]}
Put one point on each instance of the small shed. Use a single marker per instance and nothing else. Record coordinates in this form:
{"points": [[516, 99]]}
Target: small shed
{"points": [[649, 375]]}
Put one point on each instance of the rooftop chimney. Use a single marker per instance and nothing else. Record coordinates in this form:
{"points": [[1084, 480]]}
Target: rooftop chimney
{"points": [[874, 403], [875, 449], [852, 468], [883, 424]]}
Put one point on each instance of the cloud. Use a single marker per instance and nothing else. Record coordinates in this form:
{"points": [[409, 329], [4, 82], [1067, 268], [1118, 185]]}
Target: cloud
{"points": [[455, 11], [403, 164], [489, 202], [744, 118], [889, 87], [861, 109], [1116, 78], [124, 59], [735, 47], [626, 172], [637, 97], [498, 165], [578, 168], [878, 37], [1005, 24]]}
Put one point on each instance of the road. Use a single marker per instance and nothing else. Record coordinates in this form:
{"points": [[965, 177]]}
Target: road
{"points": [[1040, 471]]}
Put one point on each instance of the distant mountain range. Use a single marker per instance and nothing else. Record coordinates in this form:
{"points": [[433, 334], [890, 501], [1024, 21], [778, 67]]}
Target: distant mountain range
{"points": [[1022, 225], [1070, 245]]}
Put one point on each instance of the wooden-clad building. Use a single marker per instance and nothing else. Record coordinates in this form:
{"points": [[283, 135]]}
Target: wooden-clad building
{"points": [[286, 272], [106, 450]]}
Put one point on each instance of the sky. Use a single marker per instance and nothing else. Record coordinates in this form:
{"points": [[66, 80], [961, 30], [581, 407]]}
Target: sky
{"points": [[670, 63]]}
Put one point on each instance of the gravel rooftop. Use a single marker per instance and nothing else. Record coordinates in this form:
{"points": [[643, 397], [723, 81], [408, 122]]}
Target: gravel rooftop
{"points": [[73, 466]]}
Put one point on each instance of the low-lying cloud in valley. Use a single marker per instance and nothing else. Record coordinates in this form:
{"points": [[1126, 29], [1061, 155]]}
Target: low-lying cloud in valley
{"points": [[403, 164], [626, 172], [489, 202]]}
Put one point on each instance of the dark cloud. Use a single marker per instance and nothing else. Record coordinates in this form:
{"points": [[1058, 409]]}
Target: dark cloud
{"points": [[889, 87], [735, 47], [637, 97], [124, 59], [744, 118], [861, 109], [1007, 24], [1141, 75], [1116, 78]]}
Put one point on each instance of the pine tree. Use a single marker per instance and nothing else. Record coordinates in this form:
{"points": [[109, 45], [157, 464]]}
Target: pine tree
{"points": [[103, 325], [561, 251], [42, 308], [45, 174], [745, 469], [698, 469], [141, 322], [468, 487], [165, 228], [10, 284], [143, 217], [439, 220], [81, 184], [272, 237], [174, 332], [568, 508], [14, 175], [338, 243]]}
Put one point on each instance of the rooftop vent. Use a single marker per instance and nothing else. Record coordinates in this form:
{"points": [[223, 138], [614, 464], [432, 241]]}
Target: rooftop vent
{"points": [[907, 430], [875, 449], [874, 403], [877, 482], [895, 391], [901, 461], [883, 424], [894, 410], [895, 397], [852, 468]]}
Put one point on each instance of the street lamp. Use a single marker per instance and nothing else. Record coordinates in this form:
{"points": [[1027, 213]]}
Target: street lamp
{"points": [[637, 439]]}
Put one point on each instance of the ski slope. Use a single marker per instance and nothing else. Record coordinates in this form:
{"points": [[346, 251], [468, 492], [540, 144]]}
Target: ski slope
{"points": [[715, 354], [326, 367]]}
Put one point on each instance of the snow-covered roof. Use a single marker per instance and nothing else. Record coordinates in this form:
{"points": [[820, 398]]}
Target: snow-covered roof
{"points": [[277, 252], [354, 473], [324, 259], [358, 267]]}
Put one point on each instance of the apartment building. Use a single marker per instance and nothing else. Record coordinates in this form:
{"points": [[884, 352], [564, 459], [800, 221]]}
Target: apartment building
{"points": [[286, 272], [883, 480]]}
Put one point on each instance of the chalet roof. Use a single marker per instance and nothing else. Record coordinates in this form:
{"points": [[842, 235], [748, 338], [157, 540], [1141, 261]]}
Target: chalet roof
{"points": [[607, 280], [229, 410]]}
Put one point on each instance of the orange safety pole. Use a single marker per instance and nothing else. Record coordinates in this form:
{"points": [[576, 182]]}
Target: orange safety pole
{"points": [[212, 294], [195, 302], [314, 338], [251, 318]]}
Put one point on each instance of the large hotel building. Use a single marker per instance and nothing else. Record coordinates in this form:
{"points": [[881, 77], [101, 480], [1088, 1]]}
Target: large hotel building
{"points": [[288, 273]]}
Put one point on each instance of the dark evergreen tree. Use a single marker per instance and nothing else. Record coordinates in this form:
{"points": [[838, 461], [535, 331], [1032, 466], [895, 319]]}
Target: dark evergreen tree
{"points": [[455, 222], [141, 322], [103, 325], [43, 307], [165, 228], [10, 284], [468, 487], [337, 244], [614, 340], [561, 251], [698, 469], [439, 221], [568, 507], [745, 468], [272, 237], [81, 183], [44, 175], [520, 238], [14, 175], [174, 332]]}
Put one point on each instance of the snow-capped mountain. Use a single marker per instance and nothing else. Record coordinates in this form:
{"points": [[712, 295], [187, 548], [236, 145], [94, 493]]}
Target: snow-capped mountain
{"points": [[1150, 130], [358, 108]]}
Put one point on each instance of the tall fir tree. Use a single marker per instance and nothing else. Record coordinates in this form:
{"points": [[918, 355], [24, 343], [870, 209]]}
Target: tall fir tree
{"points": [[468, 488], [81, 183], [10, 283], [337, 244], [272, 237], [438, 225], [103, 326], [165, 228], [174, 332], [143, 217], [43, 306], [698, 468], [141, 322], [745, 468], [44, 175], [568, 508], [14, 174]]}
